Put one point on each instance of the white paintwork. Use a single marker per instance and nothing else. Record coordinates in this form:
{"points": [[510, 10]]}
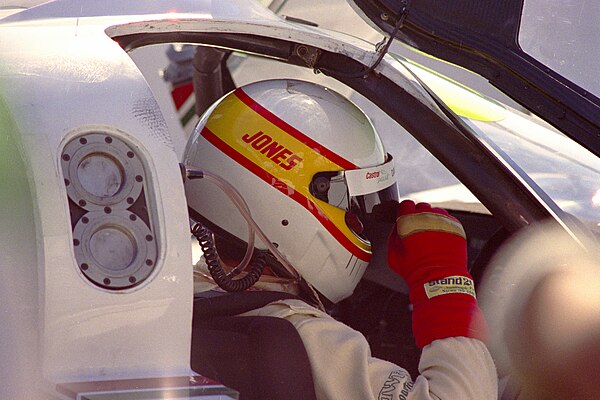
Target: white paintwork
{"points": [[57, 81]]}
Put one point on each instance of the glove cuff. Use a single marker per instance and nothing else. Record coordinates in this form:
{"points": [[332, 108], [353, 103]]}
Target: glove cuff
{"points": [[446, 308]]}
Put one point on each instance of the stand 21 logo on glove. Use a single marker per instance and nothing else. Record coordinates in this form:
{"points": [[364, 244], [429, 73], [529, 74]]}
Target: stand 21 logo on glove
{"points": [[451, 284]]}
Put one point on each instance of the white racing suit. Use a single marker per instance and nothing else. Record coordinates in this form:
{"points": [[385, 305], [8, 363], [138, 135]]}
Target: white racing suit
{"points": [[455, 368]]}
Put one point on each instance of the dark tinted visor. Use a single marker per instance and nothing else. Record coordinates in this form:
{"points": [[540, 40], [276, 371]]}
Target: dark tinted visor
{"points": [[358, 190]]}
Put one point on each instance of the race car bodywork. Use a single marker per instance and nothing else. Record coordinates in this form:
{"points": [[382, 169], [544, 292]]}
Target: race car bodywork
{"points": [[96, 257]]}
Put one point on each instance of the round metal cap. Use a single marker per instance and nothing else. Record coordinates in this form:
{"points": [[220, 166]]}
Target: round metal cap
{"points": [[102, 171], [115, 250]]}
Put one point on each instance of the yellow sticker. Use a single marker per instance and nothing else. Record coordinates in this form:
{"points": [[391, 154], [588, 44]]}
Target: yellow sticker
{"points": [[461, 99], [450, 285]]}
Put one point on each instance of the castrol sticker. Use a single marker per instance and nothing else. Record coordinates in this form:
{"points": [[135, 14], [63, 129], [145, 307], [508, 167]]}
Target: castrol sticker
{"points": [[370, 180]]}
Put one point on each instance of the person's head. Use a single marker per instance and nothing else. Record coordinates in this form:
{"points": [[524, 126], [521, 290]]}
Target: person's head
{"points": [[555, 340], [541, 297], [308, 163]]}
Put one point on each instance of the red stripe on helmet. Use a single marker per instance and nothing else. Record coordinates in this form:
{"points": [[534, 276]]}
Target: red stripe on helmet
{"points": [[281, 124], [288, 191]]}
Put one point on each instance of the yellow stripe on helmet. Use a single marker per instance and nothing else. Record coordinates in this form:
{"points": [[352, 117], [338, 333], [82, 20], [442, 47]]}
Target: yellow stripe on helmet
{"points": [[276, 149]]}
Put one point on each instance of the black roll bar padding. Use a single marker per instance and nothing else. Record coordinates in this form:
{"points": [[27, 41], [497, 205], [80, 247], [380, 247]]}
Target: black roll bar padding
{"points": [[208, 76]]}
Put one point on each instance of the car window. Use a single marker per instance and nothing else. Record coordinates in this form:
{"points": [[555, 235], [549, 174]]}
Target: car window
{"points": [[549, 158], [567, 172], [563, 169], [421, 176], [562, 35]]}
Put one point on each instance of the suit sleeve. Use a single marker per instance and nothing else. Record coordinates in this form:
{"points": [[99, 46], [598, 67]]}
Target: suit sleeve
{"points": [[343, 368]]}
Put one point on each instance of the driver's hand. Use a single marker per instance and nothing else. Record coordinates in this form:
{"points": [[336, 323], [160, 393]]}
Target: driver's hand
{"points": [[427, 247]]}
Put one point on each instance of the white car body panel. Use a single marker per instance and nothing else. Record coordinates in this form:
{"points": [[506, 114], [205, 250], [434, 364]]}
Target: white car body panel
{"points": [[49, 64]]}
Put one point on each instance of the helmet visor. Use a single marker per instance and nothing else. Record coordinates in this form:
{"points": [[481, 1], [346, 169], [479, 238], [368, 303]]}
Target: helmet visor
{"points": [[358, 190]]}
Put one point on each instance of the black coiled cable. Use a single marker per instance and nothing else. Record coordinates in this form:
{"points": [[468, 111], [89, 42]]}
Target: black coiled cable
{"points": [[221, 278]]}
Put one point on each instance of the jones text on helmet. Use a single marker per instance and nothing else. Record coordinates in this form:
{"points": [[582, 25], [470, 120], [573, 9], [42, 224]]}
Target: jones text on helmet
{"points": [[271, 149]]}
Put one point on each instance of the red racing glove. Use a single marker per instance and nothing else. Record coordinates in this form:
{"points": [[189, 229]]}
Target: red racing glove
{"points": [[427, 247]]}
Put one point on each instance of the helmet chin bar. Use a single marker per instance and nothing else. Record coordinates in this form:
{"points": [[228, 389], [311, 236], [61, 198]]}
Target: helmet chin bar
{"points": [[224, 280]]}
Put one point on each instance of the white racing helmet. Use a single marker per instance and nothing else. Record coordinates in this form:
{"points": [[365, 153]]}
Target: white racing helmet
{"points": [[308, 163]]}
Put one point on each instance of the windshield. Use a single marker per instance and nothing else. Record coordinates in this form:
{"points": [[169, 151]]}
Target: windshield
{"points": [[563, 35], [564, 170], [568, 173]]}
